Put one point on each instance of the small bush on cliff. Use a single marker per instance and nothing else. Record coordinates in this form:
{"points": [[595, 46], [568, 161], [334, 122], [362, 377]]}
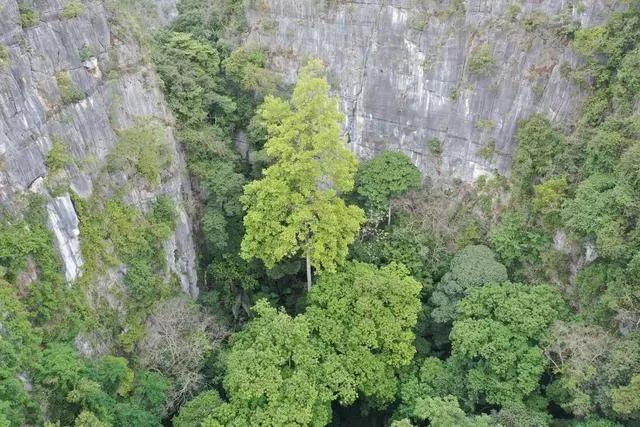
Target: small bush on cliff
{"points": [[143, 150], [4, 56], [58, 157], [481, 62], [28, 16], [69, 93], [73, 9]]}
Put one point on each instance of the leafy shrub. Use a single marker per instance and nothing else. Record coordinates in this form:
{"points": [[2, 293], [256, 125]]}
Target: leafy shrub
{"points": [[488, 150], [73, 9], [486, 124], [86, 52], [498, 319], [513, 10], [481, 62], [69, 93], [516, 242], [534, 20], [435, 146], [28, 16], [188, 67], [142, 149], [4, 56], [549, 197], [539, 144], [58, 157], [590, 41], [421, 252]]}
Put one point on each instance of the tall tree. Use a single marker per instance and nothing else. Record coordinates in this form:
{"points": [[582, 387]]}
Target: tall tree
{"points": [[384, 177], [296, 208]]}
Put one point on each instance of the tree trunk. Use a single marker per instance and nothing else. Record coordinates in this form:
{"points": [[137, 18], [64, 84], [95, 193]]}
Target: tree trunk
{"points": [[308, 272], [389, 216]]}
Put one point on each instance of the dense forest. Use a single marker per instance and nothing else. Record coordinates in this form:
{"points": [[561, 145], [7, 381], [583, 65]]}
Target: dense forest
{"points": [[338, 291]]}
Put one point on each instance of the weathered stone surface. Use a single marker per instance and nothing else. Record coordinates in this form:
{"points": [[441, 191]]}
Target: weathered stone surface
{"points": [[402, 70], [63, 221], [120, 89]]}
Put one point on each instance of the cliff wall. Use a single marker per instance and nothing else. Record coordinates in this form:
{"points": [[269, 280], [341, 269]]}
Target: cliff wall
{"points": [[444, 81], [77, 79]]}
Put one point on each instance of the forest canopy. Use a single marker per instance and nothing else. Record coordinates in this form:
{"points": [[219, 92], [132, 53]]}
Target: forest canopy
{"points": [[336, 290]]}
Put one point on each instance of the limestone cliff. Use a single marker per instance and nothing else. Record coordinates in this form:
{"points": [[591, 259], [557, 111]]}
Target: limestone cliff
{"points": [[444, 81], [79, 77]]}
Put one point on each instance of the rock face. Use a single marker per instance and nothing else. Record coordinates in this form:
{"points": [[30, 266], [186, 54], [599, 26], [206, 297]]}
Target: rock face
{"points": [[65, 225], [411, 74], [112, 88]]}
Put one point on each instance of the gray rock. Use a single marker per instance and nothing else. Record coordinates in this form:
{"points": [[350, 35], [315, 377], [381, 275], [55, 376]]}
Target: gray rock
{"points": [[402, 71], [64, 223]]}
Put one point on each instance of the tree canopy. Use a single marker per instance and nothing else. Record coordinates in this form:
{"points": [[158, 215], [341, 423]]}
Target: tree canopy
{"points": [[384, 177], [296, 209]]}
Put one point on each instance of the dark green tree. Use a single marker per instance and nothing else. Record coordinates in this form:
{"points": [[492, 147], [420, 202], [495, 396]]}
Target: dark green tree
{"points": [[473, 266], [498, 338], [381, 179]]}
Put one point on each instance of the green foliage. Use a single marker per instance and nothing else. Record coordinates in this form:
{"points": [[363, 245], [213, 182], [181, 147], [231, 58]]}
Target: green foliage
{"points": [[26, 244], [19, 351], [383, 178], [221, 23], [626, 399], [598, 209], [516, 242], [86, 52], [513, 10], [28, 16], [446, 412], [365, 316], [590, 41], [72, 9], [481, 62], [88, 419], [69, 92], [246, 67], [576, 350], [189, 68], [539, 144], [485, 124], [424, 255], [58, 157], [604, 149], [426, 378], [548, 199], [472, 267], [435, 145], [272, 374], [142, 149], [296, 208], [629, 170], [498, 337], [488, 150], [4, 56], [352, 340], [115, 233], [96, 392], [193, 413]]}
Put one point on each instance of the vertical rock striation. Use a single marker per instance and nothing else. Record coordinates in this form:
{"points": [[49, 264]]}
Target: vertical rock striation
{"points": [[411, 77]]}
